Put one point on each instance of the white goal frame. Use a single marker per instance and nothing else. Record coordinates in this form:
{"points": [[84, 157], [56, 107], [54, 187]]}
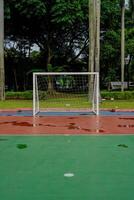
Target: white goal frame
{"points": [[36, 106]]}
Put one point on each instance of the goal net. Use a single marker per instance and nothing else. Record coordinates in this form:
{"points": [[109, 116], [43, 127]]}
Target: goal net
{"points": [[65, 92]]}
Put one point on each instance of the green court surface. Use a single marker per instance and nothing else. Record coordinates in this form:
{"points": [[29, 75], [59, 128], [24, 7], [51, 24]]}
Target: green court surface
{"points": [[34, 167]]}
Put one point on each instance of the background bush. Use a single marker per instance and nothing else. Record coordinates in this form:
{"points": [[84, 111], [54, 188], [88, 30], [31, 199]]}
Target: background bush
{"points": [[19, 95], [117, 95]]}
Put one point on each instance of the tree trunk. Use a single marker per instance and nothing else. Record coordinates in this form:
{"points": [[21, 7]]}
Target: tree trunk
{"points": [[15, 79], [94, 41], [91, 46], [2, 73], [91, 35], [97, 36], [49, 69], [122, 43], [94, 35]]}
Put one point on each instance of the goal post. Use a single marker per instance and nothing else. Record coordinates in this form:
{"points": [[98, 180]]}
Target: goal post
{"points": [[65, 91]]}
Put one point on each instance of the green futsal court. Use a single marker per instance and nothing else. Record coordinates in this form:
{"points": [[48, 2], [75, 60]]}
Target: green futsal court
{"points": [[67, 167]]}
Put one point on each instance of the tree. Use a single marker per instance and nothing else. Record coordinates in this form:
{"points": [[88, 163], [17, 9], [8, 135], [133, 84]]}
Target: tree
{"points": [[122, 4], [131, 6], [62, 25], [57, 27], [2, 77]]}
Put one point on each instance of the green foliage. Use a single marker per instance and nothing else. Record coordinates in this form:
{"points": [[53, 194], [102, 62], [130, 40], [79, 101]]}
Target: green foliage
{"points": [[130, 41], [19, 95], [122, 3], [28, 8], [59, 28], [110, 56], [68, 12], [118, 95], [110, 48], [110, 14], [131, 6]]}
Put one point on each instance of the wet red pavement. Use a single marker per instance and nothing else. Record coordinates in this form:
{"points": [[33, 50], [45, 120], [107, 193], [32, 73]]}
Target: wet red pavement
{"points": [[67, 125]]}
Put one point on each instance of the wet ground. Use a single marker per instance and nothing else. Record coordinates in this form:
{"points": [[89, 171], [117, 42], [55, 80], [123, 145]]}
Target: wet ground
{"points": [[64, 156], [67, 125]]}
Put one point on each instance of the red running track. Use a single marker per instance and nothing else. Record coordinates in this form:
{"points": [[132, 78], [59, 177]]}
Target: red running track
{"points": [[67, 125]]}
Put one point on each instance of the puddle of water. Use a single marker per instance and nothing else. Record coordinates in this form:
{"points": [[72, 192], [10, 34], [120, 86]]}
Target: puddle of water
{"points": [[49, 125], [15, 123], [126, 126], [19, 110], [3, 139], [72, 117], [72, 127], [21, 146], [128, 118], [93, 130], [2, 123], [122, 145], [101, 131], [72, 124], [112, 110], [86, 129], [22, 124]]}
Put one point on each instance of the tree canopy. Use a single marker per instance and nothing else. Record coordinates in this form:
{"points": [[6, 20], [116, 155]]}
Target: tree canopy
{"points": [[59, 28]]}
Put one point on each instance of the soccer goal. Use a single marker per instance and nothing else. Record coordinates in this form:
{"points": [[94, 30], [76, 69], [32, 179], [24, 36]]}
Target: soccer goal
{"points": [[65, 92]]}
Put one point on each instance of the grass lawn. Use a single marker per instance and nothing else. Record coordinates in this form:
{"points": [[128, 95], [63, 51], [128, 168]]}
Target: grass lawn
{"points": [[126, 104], [15, 104]]}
